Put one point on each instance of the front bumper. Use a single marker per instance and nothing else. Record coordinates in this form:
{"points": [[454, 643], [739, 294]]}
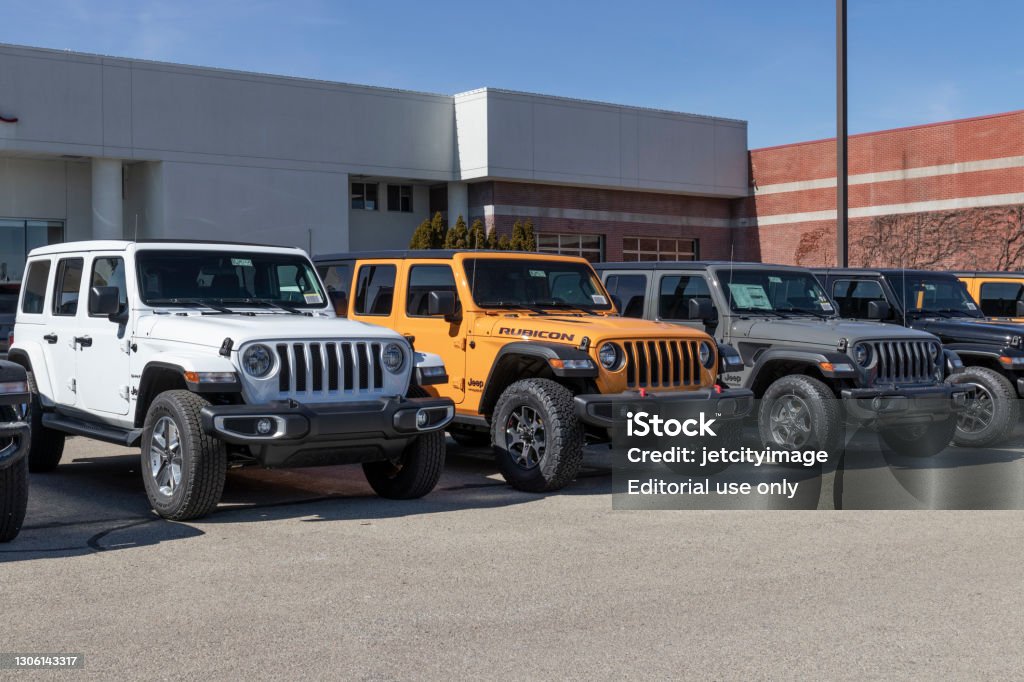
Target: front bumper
{"points": [[895, 405], [598, 409], [289, 433]]}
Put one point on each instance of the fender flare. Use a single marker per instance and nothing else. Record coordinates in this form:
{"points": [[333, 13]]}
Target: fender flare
{"points": [[189, 362], [540, 350], [30, 356], [805, 357]]}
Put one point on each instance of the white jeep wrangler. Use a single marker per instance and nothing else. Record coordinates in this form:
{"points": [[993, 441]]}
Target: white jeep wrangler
{"points": [[211, 355]]}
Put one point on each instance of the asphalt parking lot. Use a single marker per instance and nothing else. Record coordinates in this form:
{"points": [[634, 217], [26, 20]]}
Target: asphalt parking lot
{"points": [[305, 572]]}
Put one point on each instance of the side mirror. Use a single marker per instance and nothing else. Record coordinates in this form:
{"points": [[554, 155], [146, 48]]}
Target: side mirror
{"points": [[1020, 309], [104, 301], [441, 303], [879, 310], [701, 309]]}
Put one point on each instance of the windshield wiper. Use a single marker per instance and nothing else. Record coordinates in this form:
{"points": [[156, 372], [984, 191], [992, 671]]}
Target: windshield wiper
{"points": [[767, 311], [560, 306], [514, 306], [191, 301], [264, 301], [804, 311]]}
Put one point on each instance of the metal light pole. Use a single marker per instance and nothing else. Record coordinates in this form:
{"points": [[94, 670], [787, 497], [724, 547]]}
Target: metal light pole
{"points": [[842, 200]]}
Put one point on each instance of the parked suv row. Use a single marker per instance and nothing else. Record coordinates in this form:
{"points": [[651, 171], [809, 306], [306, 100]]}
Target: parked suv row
{"points": [[799, 356]]}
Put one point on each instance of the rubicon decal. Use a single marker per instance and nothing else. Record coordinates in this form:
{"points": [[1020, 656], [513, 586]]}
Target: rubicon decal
{"points": [[536, 334]]}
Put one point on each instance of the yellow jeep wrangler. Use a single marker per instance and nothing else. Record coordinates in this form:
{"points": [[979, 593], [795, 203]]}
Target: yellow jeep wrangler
{"points": [[1000, 294], [535, 352]]}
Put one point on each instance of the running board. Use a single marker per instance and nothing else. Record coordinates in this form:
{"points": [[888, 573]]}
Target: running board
{"points": [[77, 427]]}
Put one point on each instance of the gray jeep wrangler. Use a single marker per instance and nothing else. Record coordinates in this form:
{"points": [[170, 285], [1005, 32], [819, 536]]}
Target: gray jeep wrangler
{"points": [[799, 358]]}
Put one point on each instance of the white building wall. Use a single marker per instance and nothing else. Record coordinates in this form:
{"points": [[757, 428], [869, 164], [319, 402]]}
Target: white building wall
{"points": [[383, 229]]}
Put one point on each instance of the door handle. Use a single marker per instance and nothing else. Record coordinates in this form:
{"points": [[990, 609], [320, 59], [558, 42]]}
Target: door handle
{"points": [[83, 341], [50, 338]]}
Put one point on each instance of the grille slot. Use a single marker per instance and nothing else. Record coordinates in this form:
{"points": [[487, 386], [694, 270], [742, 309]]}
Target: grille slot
{"points": [[661, 363], [330, 367], [903, 362]]}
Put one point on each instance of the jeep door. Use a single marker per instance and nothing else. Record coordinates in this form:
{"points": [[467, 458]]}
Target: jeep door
{"points": [[103, 344], [435, 333], [61, 338], [853, 294]]}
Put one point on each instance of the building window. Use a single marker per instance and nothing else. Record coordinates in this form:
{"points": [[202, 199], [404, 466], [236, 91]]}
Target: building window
{"points": [[400, 198], [18, 237], [589, 246], [364, 196], [658, 248]]}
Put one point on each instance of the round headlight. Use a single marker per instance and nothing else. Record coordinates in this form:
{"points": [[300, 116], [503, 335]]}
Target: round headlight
{"points": [[392, 357], [609, 356], [705, 354], [862, 354], [257, 360]]}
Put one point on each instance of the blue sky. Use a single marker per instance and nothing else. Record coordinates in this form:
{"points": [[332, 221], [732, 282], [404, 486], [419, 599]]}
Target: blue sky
{"points": [[770, 63]]}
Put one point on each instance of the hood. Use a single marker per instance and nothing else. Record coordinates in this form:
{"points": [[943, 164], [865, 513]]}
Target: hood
{"points": [[211, 330], [971, 330], [812, 331], [571, 329]]}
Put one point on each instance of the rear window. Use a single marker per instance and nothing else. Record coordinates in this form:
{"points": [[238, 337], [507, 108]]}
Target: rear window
{"points": [[35, 287]]}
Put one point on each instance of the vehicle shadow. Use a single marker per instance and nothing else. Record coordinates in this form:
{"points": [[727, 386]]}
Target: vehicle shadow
{"points": [[97, 504]]}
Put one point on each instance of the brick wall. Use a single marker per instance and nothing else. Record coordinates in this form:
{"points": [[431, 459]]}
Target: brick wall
{"points": [[614, 214], [941, 195]]}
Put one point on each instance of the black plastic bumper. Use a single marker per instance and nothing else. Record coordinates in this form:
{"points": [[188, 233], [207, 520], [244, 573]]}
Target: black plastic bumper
{"points": [[16, 450], [294, 434], [598, 409], [905, 404]]}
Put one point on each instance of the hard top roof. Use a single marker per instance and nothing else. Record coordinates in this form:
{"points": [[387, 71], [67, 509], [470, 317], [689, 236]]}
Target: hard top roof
{"points": [[693, 265], [122, 245], [437, 254], [884, 272]]}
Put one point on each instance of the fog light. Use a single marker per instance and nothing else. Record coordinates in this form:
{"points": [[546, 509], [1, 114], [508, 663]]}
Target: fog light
{"points": [[421, 419], [264, 426]]}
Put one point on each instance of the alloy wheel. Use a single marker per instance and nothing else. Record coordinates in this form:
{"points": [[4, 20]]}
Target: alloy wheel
{"points": [[165, 456], [790, 421], [525, 437]]}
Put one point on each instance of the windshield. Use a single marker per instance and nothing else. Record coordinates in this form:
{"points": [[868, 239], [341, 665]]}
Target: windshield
{"points": [[237, 278], [780, 291], [929, 294], [523, 283]]}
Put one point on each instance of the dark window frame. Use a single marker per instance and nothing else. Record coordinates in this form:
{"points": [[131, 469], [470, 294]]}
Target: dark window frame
{"points": [[689, 276], [408, 287], [58, 285], [362, 196], [92, 274], [357, 305], [625, 304], [403, 198], [48, 265]]}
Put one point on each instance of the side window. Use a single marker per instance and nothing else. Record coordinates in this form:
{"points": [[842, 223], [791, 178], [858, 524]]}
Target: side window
{"points": [[853, 296], [422, 280], [375, 290], [628, 292], [999, 299], [35, 287], [675, 293], [67, 285], [109, 272], [338, 280]]}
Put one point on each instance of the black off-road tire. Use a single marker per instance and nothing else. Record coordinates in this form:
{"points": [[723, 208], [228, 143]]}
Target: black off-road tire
{"points": [[563, 446], [13, 499], [46, 446], [203, 458], [1004, 404], [919, 440], [470, 438], [415, 475], [825, 415]]}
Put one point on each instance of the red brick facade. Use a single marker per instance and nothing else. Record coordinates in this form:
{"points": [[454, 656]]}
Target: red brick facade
{"points": [[943, 195], [614, 214]]}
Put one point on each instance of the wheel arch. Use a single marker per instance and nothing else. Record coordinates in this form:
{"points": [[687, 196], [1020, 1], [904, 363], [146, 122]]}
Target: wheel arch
{"points": [[531, 359]]}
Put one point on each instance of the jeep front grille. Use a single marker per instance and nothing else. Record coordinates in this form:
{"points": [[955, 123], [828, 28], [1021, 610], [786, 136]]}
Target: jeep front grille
{"points": [[330, 366], [903, 362], [662, 363]]}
